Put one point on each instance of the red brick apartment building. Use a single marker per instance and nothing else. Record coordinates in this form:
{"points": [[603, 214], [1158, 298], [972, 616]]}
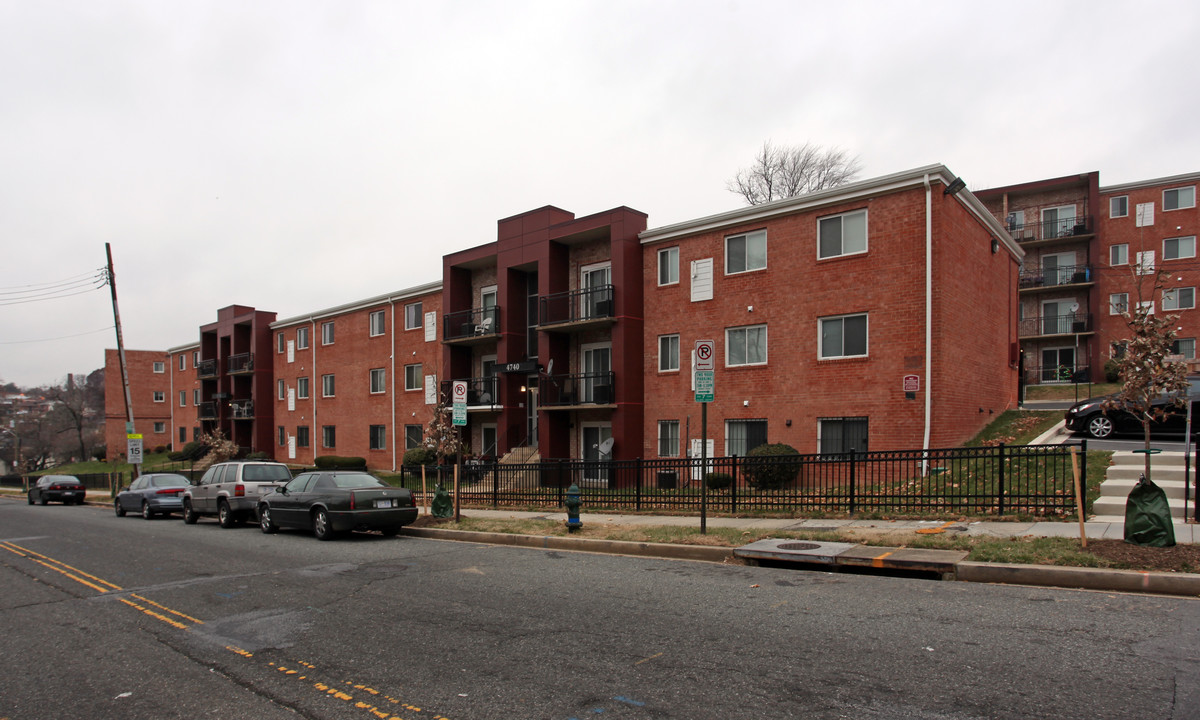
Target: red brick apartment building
{"points": [[149, 394], [357, 380], [184, 362], [823, 308], [1083, 247]]}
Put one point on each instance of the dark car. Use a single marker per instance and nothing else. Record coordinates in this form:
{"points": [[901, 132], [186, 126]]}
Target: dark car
{"points": [[60, 488], [1092, 417], [152, 494], [332, 502]]}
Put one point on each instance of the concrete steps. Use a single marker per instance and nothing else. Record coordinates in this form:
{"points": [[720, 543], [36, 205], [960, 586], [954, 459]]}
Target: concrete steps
{"points": [[1167, 472]]}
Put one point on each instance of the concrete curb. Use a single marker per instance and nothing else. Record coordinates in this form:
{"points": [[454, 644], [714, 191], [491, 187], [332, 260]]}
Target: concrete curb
{"points": [[1075, 577], [551, 542]]}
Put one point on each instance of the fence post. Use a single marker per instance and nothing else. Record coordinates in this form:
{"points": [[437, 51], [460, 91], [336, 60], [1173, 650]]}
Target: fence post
{"points": [[853, 482], [1000, 480], [559, 478], [733, 470], [495, 483], [1083, 474], [637, 467]]}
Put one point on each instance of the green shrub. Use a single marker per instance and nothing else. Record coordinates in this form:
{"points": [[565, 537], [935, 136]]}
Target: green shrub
{"points": [[1111, 373], [192, 451], [718, 480], [259, 455], [100, 452], [772, 474], [338, 462], [160, 449], [420, 456]]}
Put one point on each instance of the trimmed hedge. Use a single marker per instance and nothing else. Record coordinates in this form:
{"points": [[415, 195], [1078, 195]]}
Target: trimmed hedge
{"points": [[775, 475], [338, 462], [718, 480], [420, 456]]}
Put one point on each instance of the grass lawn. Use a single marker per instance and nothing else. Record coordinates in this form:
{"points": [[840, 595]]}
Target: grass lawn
{"points": [[1069, 391]]}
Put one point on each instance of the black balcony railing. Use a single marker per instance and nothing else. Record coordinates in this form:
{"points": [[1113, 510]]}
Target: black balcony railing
{"points": [[206, 369], [1068, 324], [576, 389], [1048, 277], [1039, 374], [242, 409], [1051, 229], [241, 363], [577, 305], [481, 391], [207, 411], [478, 322]]}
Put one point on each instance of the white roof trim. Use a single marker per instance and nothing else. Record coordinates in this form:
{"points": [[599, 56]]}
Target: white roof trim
{"points": [[1142, 184], [384, 299]]}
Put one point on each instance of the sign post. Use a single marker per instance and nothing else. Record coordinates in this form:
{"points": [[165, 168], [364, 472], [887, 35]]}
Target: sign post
{"points": [[458, 394], [704, 352]]}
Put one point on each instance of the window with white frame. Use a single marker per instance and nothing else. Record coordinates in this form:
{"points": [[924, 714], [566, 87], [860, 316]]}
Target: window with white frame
{"points": [[160, 427], [668, 353], [282, 436], [1118, 207], [327, 385], [746, 345], [183, 398], [742, 436], [746, 252], [160, 367], [1145, 262], [413, 380], [302, 388], [1179, 198], [327, 333], [668, 266], [280, 389], [376, 322], [1118, 303], [378, 437], [195, 397], [329, 436], [1179, 298], [414, 435], [280, 343], [195, 358], [1178, 248], [841, 435], [1147, 305], [160, 396], [378, 380], [668, 438], [182, 361], [301, 338], [1118, 254], [1185, 347], [844, 234], [414, 317], [843, 336]]}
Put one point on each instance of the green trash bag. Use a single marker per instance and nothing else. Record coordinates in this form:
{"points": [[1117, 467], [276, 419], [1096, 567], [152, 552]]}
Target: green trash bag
{"points": [[1148, 516], [442, 506]]}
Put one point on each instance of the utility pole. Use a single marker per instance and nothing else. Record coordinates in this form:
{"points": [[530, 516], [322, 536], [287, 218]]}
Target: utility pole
{"points": [[112, 286]]}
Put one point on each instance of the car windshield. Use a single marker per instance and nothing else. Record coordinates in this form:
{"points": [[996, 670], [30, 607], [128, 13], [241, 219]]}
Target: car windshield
{"points": [[270, 473], [170, 481], [360, 480]]}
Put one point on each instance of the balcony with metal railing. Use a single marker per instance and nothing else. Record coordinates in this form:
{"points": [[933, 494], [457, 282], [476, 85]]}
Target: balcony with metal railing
{"points": [[207, 411], [240, 364], [1045, 374], [576, 310], [483, 393], [1048, 231], [471, 327], [1035, 277], [242, 409], [206, 369], [576, 390], [1049, 325]]}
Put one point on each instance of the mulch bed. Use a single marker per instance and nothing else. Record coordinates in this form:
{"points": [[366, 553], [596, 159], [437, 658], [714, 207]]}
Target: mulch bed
{"points": [[1181, 558]]}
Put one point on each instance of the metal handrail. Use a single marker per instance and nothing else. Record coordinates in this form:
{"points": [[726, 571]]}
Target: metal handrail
{"points": [[576, 305], [1050, 229], [481, 321], [577, 389]]}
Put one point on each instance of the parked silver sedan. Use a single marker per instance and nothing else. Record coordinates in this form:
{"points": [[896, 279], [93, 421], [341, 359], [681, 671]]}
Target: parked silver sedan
{"points": [[152, 494]]}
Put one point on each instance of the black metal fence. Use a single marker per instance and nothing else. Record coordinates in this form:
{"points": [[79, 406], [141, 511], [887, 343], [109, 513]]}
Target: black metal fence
{"points": [[998, 480]]}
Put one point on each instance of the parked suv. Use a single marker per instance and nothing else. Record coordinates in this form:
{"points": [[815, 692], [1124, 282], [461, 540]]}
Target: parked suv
{"points": [[230, 490]]}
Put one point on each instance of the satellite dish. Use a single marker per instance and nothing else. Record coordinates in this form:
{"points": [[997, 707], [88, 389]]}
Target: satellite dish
{"points": [[550, 367], [1074, 309], [607, 446]]}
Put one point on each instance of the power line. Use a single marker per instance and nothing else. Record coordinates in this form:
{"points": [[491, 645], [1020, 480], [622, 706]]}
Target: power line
{"points": [[54, 291], [62, 337], [98, 273]]}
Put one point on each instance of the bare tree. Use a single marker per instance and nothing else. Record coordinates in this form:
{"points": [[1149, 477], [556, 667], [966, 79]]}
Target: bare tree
{"points": [[441, 435], [780, 172], [71, 413]]}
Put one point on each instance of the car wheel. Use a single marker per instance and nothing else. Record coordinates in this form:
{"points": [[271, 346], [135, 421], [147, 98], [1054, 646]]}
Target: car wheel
{"points": [[120, 511], [1099, 426], [189, 515], [321, 527], [390, 532], [264, 520], [30, 498], [42, 500], [67, 501], [225, 515], [147, 514]]}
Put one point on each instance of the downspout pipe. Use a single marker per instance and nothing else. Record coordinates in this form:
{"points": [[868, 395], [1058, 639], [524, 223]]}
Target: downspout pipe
{"points": [[928, 315]]}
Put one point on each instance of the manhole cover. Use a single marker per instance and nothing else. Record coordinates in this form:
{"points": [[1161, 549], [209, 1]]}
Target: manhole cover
{"points": [[798, 546]]}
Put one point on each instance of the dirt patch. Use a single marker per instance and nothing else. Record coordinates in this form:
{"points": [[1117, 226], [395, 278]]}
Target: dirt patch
{"points": [[1181, 558]]}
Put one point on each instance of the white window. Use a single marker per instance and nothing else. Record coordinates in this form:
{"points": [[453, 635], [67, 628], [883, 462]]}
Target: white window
{"points": [[1179, 198], [1148, 306], [844, 234], [413, 436], [160, 396], [668, 353], [1145, 214], [183, 398], [837, 436], [746, 346], [280, 389], [160, 367], [327, 385], [301, 338], [1118, 207], [843, 336], [1145, 262], [742, 436], [1179, 298], [329, 436], [668, 266], [327, 333], [282, 436], [302, 388], [412, 377], [1118, 303], [414, 317], [183, 362], [280, 343], [1185, 347], [195, 397], [746, 252], [1176, 248], [1118, 254], [378, 437], [160, 427], [378, 380], [376, 323], [668, 438], [702, 279]]}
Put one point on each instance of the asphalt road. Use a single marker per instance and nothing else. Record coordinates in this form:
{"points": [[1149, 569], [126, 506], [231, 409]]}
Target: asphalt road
{"points": [[105, 617]]}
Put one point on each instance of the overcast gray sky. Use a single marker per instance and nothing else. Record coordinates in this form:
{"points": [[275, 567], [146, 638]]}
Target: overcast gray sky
{"points": [[297, 155]]}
